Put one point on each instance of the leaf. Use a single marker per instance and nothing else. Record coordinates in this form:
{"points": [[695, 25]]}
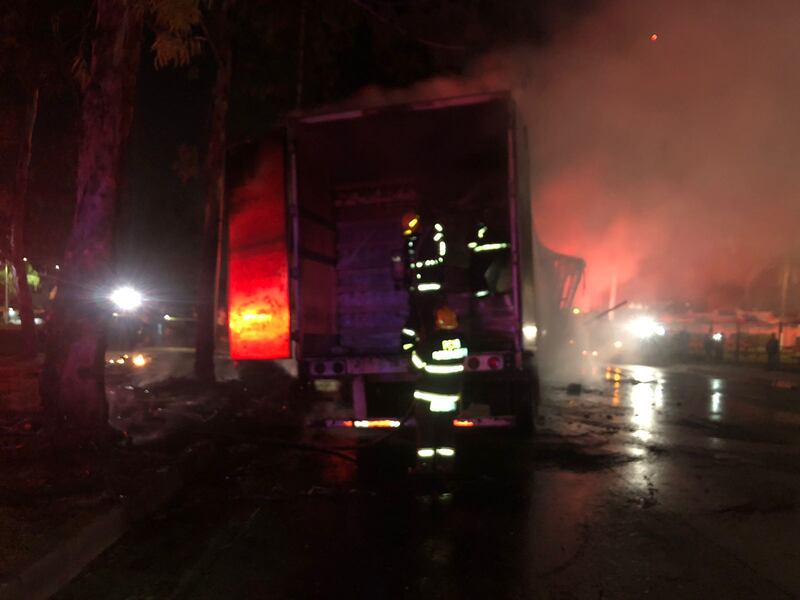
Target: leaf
{"points": [[175, 50], [174, 22]]}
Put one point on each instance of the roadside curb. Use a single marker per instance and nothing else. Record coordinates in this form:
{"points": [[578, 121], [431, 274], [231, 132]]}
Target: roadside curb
{"points": [[47, 575]]}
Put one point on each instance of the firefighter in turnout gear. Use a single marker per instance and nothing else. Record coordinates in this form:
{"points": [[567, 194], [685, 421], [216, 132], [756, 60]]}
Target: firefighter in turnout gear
{"points": [[435, 350], [425, 250], [439, 361], [488, 254]]}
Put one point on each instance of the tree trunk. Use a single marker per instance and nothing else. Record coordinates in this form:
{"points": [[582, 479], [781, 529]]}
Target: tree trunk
{"points": [[72, 383], [214, 206], [18, 227]]}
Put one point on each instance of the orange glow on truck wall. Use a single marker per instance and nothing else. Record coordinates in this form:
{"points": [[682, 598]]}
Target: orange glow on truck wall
{"points": [[258, 275]]}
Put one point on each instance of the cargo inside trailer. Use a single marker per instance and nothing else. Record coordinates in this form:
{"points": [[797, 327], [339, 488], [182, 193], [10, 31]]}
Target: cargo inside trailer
{"points": [[355, 175]]}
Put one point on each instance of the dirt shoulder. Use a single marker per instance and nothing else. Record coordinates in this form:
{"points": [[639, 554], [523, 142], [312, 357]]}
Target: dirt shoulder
{"points": [[54, 487]]}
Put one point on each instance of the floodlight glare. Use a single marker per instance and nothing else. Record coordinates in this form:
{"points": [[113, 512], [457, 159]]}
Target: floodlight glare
{"points": [[126, 298], [645, 327]]}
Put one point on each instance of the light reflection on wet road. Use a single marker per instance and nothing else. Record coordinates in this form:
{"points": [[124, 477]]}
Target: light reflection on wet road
{"points": [[666, 483]]}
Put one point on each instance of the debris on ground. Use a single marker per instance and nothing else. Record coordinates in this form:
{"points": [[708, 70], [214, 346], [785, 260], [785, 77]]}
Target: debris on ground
{"points": [[54, 484]]}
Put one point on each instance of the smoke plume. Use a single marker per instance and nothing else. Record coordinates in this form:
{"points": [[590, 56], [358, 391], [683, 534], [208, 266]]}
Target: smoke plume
{"points": [[665, 142]]}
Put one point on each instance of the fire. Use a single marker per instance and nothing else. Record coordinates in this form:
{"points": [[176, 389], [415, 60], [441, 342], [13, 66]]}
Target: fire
{"points": [[258, 289]]}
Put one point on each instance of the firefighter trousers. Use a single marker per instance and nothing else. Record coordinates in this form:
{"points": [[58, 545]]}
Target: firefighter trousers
{"points": [[434, 429]]}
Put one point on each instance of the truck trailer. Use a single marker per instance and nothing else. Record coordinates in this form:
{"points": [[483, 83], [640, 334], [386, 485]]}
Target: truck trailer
{"points": [[315, 235]]}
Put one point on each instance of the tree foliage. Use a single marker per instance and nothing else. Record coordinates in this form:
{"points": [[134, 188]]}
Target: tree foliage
{"points": [[39, 40], [176, 24]]}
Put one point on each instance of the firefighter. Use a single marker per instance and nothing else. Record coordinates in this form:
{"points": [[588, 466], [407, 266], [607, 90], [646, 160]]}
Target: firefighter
{"points": [[439, 361], [425, 251], [487, 257], [429, 339]]}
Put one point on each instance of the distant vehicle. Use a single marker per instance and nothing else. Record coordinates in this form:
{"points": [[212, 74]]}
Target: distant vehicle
{"points": [[315, 224]]}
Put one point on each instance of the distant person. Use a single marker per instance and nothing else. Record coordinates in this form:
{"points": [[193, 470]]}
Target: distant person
{"points": [[773, 352]]}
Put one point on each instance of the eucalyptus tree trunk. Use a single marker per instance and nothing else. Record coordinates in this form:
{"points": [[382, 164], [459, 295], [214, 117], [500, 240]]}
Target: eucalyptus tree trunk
{"points": [[208, 280], [18, 227], [72, 383]]}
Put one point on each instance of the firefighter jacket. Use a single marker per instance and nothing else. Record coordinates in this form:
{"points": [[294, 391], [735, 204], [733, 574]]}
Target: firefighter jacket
{"points": [[486, 250], [425, 252], [439, 359]]}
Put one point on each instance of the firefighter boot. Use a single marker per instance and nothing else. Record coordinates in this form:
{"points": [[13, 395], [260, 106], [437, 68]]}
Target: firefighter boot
{"points": [[445, 450], [426, 452]]}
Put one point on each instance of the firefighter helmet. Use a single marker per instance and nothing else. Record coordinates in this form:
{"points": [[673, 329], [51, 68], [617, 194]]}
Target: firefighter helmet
{"points": [[446, 318], [410, 222]]}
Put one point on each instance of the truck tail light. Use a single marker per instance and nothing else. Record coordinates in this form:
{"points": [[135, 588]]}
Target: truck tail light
{"points": [[376, 423]]}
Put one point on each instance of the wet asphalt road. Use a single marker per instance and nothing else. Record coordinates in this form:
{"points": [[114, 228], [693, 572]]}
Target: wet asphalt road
{"points": [[680, 482]]}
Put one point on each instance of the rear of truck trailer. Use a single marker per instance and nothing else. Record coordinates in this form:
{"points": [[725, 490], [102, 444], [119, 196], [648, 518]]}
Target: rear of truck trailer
{"points": [[353, 175], [349, 178]]}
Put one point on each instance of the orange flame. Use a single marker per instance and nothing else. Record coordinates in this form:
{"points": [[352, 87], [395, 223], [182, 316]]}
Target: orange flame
{"points": [[258, 283]]}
